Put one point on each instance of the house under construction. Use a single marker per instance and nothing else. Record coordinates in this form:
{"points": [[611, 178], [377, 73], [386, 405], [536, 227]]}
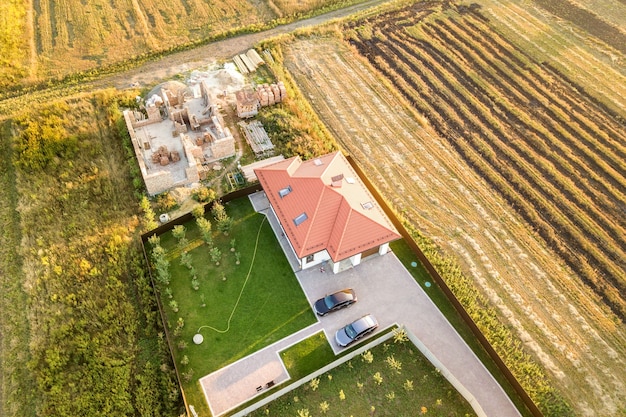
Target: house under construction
{"points": [[180, 134]]}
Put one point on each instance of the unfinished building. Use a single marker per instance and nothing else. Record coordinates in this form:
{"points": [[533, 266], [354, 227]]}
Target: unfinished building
{"points": [[180, 134]]}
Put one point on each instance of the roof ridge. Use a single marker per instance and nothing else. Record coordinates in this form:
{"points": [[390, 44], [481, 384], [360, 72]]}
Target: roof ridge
{"points": [[343, 229], [314, 216]]}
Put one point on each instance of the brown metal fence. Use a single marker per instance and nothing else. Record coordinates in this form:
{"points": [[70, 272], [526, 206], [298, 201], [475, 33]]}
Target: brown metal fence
{"points": [[528, 402]]}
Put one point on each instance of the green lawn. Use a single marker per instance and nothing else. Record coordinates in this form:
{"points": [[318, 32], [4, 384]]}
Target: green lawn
{"points": [[414, 387], [307, 356], [272, 304]]}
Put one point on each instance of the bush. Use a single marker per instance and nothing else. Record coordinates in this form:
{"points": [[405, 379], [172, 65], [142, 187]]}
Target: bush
{"points": [[165, 202], [203, 194]]}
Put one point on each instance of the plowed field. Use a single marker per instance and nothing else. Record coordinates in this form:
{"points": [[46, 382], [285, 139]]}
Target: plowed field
{"points": [[504, 161]]}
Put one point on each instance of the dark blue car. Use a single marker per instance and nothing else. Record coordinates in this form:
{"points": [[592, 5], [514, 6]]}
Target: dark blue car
{"points": [[335, 301]]}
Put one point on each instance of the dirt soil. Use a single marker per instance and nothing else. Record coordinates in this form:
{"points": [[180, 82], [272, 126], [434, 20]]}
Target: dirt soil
{"points": [[559, 319]]}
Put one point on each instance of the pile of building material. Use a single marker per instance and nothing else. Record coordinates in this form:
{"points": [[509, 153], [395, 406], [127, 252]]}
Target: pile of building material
{"points": [[270, 94], [248, 62], [163, 157], [257, 138]]}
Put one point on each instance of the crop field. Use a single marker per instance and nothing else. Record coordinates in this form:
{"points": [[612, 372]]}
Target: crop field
{"points": [[44, 39], [499, 153]]}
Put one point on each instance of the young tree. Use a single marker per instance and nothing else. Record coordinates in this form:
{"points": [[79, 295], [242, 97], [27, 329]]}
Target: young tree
{"points": [[149, 217], [216, 254], [179, 231], [198, 211], [218, 211], [205, 229], [185, 259]]}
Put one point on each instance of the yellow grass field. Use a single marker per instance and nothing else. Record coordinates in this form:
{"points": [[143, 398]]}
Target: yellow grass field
{"points": [[79, 35]]}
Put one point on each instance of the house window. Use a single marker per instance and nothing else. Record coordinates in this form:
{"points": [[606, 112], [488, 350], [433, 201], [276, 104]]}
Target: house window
{"points": [[301, 218], [309, 258], [284, 191]]}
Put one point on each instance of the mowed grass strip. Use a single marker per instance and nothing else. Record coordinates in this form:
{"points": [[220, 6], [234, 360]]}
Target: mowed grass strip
{"points": [[272, 305], [307, 356], [392, 379]]}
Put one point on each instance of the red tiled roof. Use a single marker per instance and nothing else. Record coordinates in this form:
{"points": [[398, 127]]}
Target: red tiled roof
{"points": [[341, 214]]}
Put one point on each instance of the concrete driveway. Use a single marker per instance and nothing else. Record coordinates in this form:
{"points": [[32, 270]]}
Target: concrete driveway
{"points": [[385, 289]]}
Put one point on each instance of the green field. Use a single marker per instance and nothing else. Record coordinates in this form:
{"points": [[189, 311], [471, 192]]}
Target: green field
{"points": [[79, 327]]}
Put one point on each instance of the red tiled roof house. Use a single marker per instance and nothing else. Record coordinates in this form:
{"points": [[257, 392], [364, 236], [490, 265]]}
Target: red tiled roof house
{"points": [[325, 211]]}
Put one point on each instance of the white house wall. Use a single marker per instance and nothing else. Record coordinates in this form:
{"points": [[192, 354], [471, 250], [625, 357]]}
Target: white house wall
{"points": [[318, 258]]}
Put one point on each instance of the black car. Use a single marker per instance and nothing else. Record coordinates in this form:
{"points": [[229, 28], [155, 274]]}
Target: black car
{"points": [[335, 301], [356, 330]]}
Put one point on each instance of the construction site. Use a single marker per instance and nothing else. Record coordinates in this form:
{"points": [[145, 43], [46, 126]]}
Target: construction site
{"points": [[179, 137], [179, 134]]}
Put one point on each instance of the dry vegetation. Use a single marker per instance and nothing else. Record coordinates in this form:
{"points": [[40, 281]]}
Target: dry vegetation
{"points": [[504, 160], [14, 48], [71, 36], [79, 322]]}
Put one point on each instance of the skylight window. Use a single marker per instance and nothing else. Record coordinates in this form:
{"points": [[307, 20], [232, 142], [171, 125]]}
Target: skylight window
{"points": [[300, 219], [350, 180], [367, 205], [284, 191], [318, 162]]}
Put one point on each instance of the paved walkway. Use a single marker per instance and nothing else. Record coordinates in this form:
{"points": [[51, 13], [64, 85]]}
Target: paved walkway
{"points": [[237, 383], [385, 289]]}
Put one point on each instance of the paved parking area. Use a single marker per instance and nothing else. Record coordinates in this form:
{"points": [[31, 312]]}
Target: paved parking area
{"points": [[238, 382], [386, 289]]}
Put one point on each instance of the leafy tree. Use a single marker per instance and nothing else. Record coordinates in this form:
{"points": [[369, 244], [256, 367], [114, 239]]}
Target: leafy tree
{"points": [[215, 254], [198, 211], [149, 217], [205, 230]]}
